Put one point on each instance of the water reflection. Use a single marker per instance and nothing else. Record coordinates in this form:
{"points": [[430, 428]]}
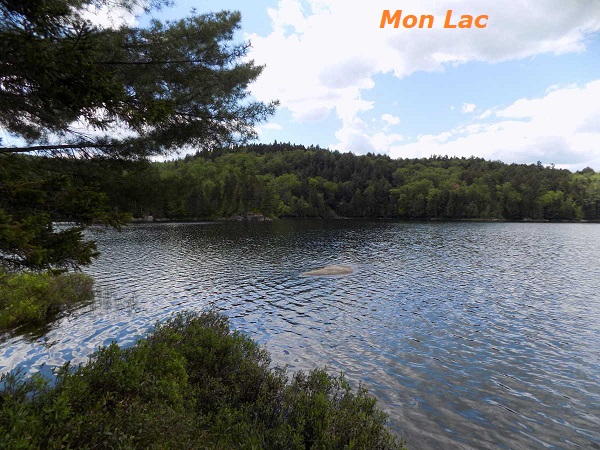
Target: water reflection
{"points": [[471, 335]]}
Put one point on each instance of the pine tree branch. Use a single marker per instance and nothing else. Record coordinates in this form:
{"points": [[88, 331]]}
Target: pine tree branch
{"points": [[35, 148]]}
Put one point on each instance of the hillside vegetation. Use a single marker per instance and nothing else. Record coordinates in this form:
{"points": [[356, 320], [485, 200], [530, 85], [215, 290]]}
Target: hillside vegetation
{"points": [[284, 180]]}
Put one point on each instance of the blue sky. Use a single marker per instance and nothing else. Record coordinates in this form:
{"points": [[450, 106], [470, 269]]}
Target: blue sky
{"points": [[524, 89]]}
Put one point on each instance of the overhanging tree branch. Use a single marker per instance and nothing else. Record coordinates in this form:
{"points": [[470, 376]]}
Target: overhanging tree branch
{"points": [[38, 148], [139, 91], [100, 77]]}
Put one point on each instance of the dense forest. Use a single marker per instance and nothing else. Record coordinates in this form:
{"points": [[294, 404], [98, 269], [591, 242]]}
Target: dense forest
{"points": [[286, 180]]}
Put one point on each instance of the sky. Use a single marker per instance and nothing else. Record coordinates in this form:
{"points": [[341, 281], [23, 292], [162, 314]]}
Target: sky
{"points": [[525, 88]]}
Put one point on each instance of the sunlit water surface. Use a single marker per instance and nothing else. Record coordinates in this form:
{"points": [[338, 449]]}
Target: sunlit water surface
{"points": [[471, 335]]}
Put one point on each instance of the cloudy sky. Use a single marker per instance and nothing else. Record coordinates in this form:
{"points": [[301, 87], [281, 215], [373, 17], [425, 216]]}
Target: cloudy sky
{"points": [[524, 89]]}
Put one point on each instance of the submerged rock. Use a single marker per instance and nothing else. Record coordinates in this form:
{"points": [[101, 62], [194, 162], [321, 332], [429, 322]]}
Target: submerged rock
{"points": [[330, 270]]}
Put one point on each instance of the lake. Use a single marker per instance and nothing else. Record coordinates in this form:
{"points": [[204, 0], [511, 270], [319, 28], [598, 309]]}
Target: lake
{"points": [[471, 335]]}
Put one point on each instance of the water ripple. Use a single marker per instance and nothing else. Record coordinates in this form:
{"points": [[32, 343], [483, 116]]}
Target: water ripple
{"points": [[471, 335]]}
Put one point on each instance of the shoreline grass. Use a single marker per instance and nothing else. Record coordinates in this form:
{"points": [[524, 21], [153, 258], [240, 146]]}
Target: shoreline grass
{"points": [[30, 298]]}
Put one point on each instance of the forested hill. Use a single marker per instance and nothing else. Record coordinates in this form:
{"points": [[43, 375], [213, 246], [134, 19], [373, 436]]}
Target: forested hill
{"points": [[284, 180]]}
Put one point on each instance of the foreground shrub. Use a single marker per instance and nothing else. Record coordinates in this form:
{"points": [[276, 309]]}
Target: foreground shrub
{"points": [[192, 383], [32, 298]]}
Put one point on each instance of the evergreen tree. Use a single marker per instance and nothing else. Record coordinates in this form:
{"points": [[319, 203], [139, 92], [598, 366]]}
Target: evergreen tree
{"points": [[70, 88], [138, 91]]}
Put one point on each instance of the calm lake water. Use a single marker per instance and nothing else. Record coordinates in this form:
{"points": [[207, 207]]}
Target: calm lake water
{"points": [[471, 335]]}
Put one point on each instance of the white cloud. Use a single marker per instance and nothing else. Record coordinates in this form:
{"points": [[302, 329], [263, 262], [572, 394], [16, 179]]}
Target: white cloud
{"points": [[268, 129], [558, 86], [112, 17], [261, 129], [390, 119], [487, 113], [526, 131], [383, 141], [322, 54], [468, 108], [590, 124], [272, 126]]}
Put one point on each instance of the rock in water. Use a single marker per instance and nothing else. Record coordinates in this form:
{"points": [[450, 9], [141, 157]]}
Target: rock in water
{"points": [[330, 270]]}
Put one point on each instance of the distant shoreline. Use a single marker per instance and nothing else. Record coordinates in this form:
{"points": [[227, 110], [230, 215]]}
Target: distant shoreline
{"points": [[389, 219]]}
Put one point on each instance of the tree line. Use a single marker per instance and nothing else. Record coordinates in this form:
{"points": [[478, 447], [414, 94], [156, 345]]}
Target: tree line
{"points": [[286, 180]]}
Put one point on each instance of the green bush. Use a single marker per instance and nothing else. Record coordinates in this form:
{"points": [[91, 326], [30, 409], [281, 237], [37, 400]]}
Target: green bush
{"points": [[192, 383], [31, 298]]}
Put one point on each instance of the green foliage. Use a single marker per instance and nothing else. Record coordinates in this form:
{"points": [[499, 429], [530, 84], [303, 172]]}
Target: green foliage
{"points": [[136, 91], [586, 187], [283, 180], [192, 383], [32, 298], [162, 87], [35, 196], [48, 77]]}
